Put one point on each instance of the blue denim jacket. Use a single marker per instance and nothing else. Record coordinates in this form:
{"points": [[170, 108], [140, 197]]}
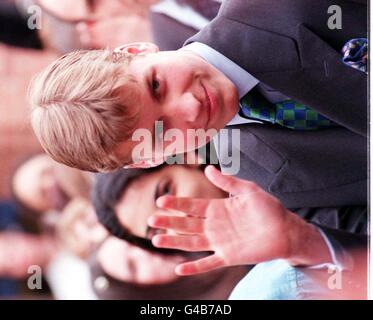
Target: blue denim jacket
{"points": [[277, 280]]}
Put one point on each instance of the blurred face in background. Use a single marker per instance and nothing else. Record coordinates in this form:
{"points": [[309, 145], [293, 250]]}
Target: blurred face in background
{"points": [[36, 185], [138, 201], [78, 24], [94, 9], [43, 185]]}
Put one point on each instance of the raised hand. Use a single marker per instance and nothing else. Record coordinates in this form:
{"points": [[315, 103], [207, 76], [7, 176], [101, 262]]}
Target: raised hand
{"points": [[248, 228]]}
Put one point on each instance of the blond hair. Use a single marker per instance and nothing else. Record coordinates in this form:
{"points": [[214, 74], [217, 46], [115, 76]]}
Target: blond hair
{"points": [[83, 105]]}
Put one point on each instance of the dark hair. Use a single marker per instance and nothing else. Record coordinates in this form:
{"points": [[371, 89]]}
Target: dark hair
{"points": [[106, 192], [108, 189]]}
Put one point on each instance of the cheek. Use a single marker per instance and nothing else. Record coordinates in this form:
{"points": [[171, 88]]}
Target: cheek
{"points": [[183, 78], [204, 189], [190, 188]]}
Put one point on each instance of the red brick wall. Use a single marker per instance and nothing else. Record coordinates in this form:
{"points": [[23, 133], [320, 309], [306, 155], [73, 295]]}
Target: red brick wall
{"points": [[17, 66]]}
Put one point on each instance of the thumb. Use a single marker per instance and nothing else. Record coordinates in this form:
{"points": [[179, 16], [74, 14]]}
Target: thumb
{"points": [[230, 184]]}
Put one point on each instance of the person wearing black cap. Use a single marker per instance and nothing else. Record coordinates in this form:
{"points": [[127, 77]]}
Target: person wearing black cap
{"points": [[125, 199]]}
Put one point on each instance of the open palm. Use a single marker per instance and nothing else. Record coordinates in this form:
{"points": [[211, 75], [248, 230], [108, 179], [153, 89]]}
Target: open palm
{"points": [[248, 228]]}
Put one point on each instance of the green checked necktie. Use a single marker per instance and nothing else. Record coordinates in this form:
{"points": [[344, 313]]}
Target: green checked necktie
{"points": [[286, 113], [292, 114]]}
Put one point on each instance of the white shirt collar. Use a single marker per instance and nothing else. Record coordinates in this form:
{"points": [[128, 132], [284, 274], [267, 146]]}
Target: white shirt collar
{"points": [[243, 80]]}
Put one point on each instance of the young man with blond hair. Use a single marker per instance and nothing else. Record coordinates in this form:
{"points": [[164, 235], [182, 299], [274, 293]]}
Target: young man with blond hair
{"points": [[279, 79], [87, 105]]}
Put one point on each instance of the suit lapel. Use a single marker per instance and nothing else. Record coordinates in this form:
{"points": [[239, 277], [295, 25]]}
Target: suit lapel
{"points": [[322, 80], [224, 34]]}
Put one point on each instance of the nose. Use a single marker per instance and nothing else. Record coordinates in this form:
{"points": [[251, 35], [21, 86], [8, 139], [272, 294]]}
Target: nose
{"points": [[186, 107]]}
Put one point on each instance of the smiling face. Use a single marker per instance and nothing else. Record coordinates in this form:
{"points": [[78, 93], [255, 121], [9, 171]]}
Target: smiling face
{"points": [[183, 91], [137, 203]]}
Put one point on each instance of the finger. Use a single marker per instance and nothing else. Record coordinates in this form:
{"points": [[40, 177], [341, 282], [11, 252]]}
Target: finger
{"points": [[228, 183], [178, 224], [194, 207], [185, 243], [199, 266]]}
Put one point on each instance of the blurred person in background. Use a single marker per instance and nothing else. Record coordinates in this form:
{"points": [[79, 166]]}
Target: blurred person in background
{"points": [[27, 236], [174, 21], [87, 24], [79, 234], [41, 190], [21, 242], [19, 249], [90, 24], [60, 255]]}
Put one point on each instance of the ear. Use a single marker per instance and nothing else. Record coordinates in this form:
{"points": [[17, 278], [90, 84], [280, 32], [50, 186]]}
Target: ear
{"points": [[137, 48]]}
